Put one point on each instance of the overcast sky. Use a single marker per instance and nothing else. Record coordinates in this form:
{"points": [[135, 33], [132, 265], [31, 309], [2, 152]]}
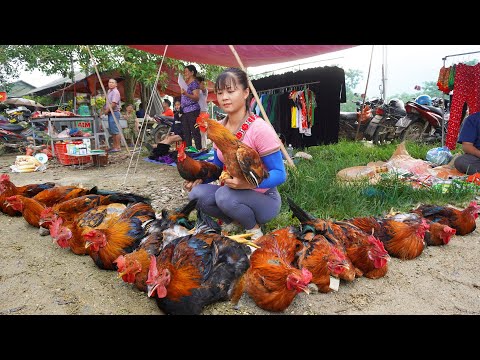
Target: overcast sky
{"points": [[406, 65]]}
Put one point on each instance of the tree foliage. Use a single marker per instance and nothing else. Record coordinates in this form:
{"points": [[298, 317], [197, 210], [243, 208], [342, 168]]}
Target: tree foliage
{"points": [[135, 65]]}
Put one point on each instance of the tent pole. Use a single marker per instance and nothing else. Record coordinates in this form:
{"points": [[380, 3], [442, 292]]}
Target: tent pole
{"points": [[262, 110], [109, 105], [364, 96]]}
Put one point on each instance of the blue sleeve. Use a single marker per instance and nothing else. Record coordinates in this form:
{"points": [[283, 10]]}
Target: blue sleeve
{"points": [[217, 162], [276, 169]]}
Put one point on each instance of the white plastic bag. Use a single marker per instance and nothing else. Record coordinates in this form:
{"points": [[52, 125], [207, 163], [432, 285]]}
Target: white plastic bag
{"points": [[439, 155]]}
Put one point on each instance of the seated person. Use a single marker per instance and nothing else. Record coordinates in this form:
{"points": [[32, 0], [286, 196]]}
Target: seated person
{"points": [[469, 163], [166, 108], [141, 111], [163, 147]]}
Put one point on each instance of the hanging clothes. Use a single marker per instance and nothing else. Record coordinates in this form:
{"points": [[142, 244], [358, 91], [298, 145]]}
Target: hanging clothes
{"points": [[467, 89]]}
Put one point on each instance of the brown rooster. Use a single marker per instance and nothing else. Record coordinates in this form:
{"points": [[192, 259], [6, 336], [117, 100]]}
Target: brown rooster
{"points": [[323, 259], [437, 234], [7, 189], [117, 237], [69, 233], [272, 280], [401, 240], [240, 160], [71, 208], [196, 270], [29, 207], [57, 194], [191, 169], [366, 252], [313, 227], [133, 267], [463, 221]]}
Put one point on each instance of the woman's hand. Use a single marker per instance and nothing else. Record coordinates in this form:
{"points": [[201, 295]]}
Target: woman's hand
{"points": [[189, 185], [237, 183]]}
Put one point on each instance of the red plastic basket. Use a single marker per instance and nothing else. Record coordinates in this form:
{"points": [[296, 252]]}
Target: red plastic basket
{"points": [[64, 159]]}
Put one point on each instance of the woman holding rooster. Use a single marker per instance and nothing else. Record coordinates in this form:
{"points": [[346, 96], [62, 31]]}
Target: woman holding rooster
{"points": [[248, 202]]}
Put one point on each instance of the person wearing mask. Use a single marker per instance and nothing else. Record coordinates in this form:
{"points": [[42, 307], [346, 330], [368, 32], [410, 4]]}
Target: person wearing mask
{"points": [[238, 200], [113, 98], [202, 101], [190, 107]]}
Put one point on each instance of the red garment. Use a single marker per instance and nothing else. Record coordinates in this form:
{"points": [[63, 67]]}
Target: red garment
{"points": [[467, 89], [169, 112]]}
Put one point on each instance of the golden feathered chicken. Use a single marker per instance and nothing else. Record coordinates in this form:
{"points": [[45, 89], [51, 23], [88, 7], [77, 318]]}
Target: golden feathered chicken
{"points": [[240, 160]]}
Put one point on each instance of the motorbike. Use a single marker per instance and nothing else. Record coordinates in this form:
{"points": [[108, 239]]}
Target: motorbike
{"points": [[382, 127], [162, 127], [348, 121], [422, 123], [16, 131]]}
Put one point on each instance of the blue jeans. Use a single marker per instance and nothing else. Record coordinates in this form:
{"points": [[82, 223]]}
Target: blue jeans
{"points": [[112, 127]]}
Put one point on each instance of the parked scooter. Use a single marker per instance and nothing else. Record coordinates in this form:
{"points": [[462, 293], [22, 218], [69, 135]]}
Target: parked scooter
{"points": [[423, 122], [348, 121], [382, 127]]}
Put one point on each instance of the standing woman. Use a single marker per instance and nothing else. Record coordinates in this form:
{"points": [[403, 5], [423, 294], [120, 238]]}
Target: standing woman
{"points": [[238, 200], [133, 126], [190, 107]]}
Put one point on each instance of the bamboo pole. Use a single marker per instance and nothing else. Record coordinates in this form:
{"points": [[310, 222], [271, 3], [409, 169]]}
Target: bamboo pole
{"points": [[120, 132], [262, 110], [364, 96]]}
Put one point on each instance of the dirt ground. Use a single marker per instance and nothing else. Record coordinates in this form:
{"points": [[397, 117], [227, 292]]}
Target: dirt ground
{"points": [[38, 277]]}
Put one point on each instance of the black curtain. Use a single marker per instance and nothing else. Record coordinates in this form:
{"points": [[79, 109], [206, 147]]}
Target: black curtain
{"points": [[329, 93]]}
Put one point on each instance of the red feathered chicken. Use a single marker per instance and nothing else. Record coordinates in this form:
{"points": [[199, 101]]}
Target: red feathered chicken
{"points": [[69, 233], [437, 234], [240, 160], [272, 280], [29, 207], [7, 189], [191, 169], [366, 252], [57, 194], [463, 221], [401, 240], [313, 227]]}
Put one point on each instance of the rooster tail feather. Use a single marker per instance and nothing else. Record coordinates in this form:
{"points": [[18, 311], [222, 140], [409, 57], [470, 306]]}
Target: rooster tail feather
{"points": [[93, 190], [128, 198], [187, 209], [298, 212], [205, 224]]}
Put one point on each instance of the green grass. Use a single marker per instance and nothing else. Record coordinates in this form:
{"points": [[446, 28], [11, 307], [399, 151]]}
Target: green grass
{"points": [[312, 184]]}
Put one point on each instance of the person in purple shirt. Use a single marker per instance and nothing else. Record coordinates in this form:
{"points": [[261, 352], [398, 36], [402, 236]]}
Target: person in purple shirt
{"points": [[113, 97], [190, 107], [469, 162]]}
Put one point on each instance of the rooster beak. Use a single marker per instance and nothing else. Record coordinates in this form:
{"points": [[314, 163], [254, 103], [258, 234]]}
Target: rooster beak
{"points": [[151, 290], [121, 274], [88, 244], [306, 290], [196, 125]]}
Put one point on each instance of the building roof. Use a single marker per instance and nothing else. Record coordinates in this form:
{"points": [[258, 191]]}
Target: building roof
{"points": [[20, 88], [55, 85]]}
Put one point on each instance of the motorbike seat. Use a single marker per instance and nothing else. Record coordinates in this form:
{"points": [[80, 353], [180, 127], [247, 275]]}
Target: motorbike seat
{"points": [[436, 110], [348, 116], [11, 127]]}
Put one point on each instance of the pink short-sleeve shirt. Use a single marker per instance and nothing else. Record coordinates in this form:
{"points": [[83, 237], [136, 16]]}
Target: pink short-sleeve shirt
{"points": [[259, 136]]}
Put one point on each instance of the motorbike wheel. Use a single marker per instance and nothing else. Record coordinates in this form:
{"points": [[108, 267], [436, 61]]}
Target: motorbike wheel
{"points": [[159, 133], [380, 136], [413, 132]]}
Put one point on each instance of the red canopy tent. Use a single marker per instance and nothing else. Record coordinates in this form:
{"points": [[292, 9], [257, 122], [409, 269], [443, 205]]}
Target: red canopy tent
{"points": [[251, 55]]}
